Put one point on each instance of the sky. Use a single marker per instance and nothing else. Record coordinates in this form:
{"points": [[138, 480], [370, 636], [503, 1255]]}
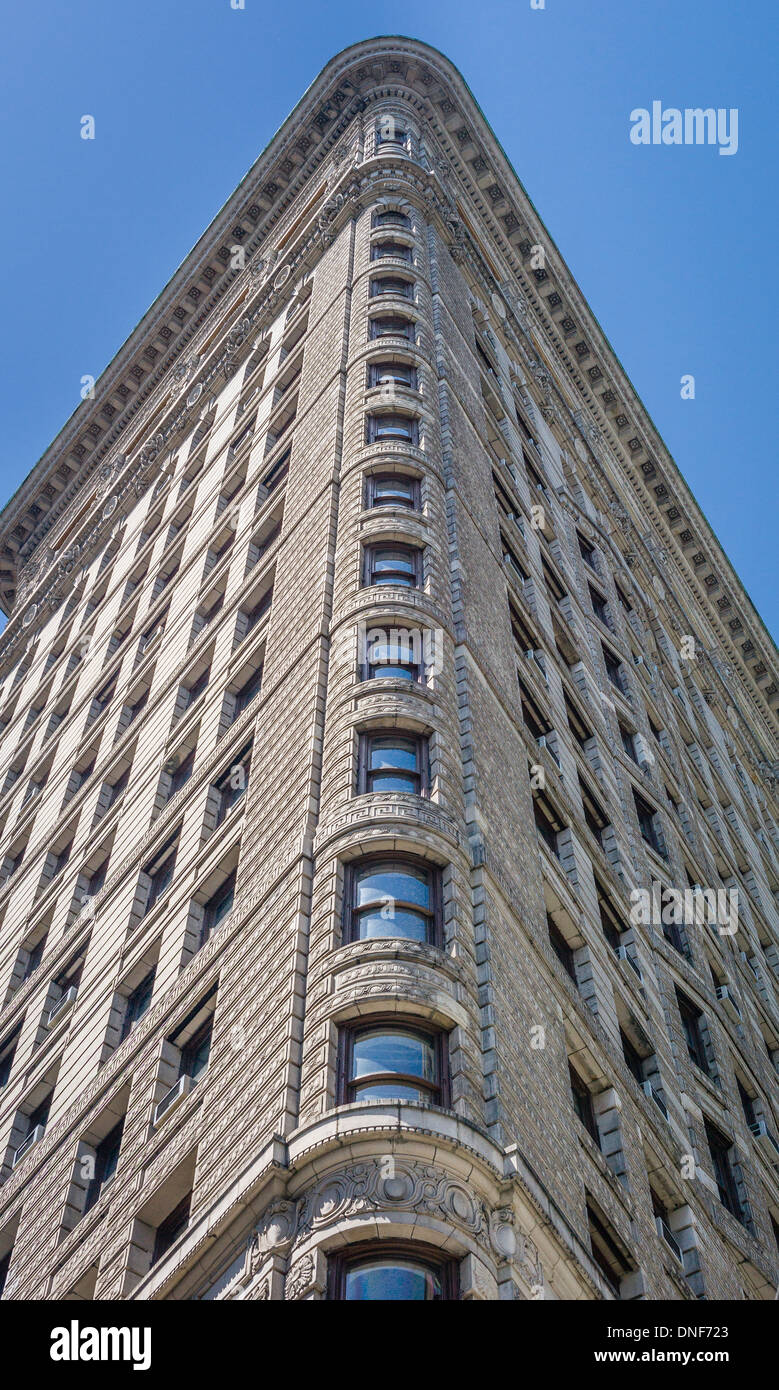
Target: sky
{"points": [[672, 245]]}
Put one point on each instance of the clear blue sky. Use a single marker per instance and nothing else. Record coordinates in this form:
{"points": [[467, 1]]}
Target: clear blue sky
{"points": [[673, 246]]}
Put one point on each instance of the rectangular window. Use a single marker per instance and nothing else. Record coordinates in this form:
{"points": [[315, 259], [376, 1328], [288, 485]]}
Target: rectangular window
{"points": [[614, 671], [392, 426], [392, 490], [691, 1025], [587, 553], [160, 871], [232, 783], [174, 1225], [393, 762], [599, 606], [137, 1004], [397, 249], [582, 1104], [547, 822], [219, 905], [391, 1060], [648, 825], [397, 566], [106, 1161], [246, 693], [392, 285], [721, 1150], [392, 326], [561, 949], [7, 1053], [392, 374]]}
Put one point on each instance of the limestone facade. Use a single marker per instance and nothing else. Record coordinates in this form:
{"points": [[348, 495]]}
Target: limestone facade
{"points": [[361, 407]]}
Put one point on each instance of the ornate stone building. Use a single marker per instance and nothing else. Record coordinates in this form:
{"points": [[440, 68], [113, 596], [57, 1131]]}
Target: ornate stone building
{"points": [[367, 654]]}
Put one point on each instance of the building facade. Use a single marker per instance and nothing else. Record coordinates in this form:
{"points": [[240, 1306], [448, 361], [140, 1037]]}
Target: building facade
{"points": [[388, 827]]}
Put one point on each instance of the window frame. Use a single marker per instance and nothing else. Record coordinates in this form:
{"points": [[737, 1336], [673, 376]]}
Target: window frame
{"points": [[351, 913], [412, 552], [580, 1092], [409, 332], [417, 669], [371, 480], [440, 1093], [446, 1269], [376, 381], [422, 773], [407, 292], [374, 428]]}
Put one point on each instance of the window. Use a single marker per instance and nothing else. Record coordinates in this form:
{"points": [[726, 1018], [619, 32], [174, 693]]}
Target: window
{"points": [[691, 1026], [392, 762], [388, 217], [588, 553], [628, 742], [193, 1037], [252, 616], [594, 815], [232, 784], [159, 870], [720, 1149], [397, 565], [561, 948], [195, 690], [180, 770], [633, 1058], [392, 898], [599, 606], [395, 652], [614, 671], [673, 931], [547, 822], [392, 374], [392, 490], [196, 1052], [102, 699], [246, 693], [174, 1225], [582, 1104], [610, 923], [7, 1053], [393, 326], [606, 1251], [218, 906], [390, 1271], [747, 1104], [398, 249], [114, 790], [387, 1061], [648, 825], [391, 426], [31, 953], [106, 1160], [138, 1002], [392, 284], [533, 716], [390, 133]]}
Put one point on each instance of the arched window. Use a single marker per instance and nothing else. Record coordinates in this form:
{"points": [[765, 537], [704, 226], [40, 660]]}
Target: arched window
{"points": [[395, 897], [392, 490], [393, 761], [392, 1271], [391, 1060], [399, 566]]}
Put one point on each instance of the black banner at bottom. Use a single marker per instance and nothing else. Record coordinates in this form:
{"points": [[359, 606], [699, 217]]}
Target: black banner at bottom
{"points": [[204, 1339]]}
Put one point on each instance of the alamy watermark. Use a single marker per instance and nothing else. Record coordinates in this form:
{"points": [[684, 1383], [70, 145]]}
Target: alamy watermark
{"points": [[692, 126], [689, 907], [413, 651]]}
